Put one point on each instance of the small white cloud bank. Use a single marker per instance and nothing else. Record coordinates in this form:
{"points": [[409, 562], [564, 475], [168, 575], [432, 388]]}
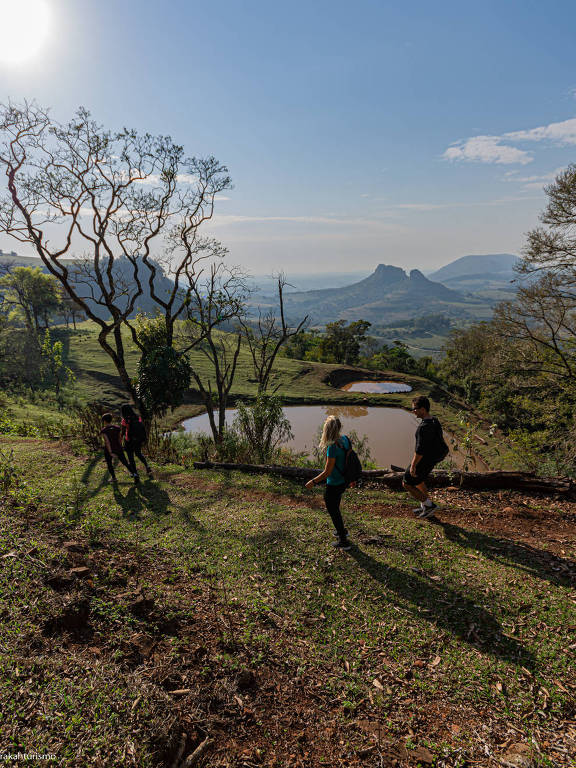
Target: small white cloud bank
{"points": [[487, 149], [501, 149]]}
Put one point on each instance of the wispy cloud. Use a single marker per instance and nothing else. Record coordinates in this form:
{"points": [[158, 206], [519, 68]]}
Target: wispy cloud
{"points": [[500, 149], [487, 149], [154, 178], [336, 220], [559, 133], [471, 204], [532, 182]]}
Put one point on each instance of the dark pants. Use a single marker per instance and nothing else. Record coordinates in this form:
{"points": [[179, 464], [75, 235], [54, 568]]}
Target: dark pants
{"points": [[135, 449], [332, 497], [121, 458]]}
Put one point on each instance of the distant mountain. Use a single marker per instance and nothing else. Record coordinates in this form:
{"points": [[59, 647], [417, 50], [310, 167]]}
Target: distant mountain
{"points": [[389, 294], [87, 286], [479, 272]]}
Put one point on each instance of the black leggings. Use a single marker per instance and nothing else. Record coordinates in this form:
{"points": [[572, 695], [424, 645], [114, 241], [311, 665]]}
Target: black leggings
{"points": [[332, 497], [121, 458], [135, 449]]}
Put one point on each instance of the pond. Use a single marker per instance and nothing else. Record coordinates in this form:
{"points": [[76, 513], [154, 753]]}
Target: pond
{"points": [[377, 387], [390, 431]]}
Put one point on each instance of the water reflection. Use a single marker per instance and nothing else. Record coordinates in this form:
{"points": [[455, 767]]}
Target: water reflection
{"points": [[377, 387], [347, 411], [390, 431]]}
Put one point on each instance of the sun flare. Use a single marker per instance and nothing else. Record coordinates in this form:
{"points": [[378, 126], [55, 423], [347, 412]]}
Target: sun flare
{"points": [[25, 26]]}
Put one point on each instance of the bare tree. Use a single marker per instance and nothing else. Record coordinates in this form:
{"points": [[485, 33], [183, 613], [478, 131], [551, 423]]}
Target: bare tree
{"points": [[112, 197], [542, 322], [552, 248], [542, 318], [216, 300], [266, 337]]}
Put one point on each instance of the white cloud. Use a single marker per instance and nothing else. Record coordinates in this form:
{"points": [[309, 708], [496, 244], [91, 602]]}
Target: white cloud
{"points": [[498, 149], [154, 178], [559, 133], [487, 149]]}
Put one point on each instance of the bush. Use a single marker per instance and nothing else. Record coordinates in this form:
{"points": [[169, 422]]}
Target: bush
{"points": [[263, 426], [161, 445], [9, 474], [86, 425]]}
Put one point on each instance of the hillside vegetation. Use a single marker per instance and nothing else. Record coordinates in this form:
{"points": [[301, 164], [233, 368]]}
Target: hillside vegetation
{"points": [[210, 609]]}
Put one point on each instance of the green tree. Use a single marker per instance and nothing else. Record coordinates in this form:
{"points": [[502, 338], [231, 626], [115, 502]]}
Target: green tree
{"points": [[57, 373], [341, 343], [163, 379], [31, 294], [116, 197]]}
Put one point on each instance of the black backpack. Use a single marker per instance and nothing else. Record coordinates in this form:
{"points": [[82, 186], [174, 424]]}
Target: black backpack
{"points": [[441, 449], [352, 465], [137, 431]]}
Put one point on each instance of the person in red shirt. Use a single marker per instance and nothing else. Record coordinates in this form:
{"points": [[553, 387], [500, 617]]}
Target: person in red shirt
{"points": [[111, 434]]}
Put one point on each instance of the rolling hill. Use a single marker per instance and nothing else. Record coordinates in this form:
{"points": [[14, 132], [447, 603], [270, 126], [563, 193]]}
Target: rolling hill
{"points": [[479, 272], [389, 294]]}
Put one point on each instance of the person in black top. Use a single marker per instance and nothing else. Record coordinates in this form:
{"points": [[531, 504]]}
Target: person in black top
{"points": [[134, 434], [430, 449], [112, 445]]}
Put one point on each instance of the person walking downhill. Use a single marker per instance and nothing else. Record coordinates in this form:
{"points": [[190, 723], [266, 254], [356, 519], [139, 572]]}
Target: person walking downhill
{"points": [[111, 434], [134, 434], [336, 447], [430, 449]]}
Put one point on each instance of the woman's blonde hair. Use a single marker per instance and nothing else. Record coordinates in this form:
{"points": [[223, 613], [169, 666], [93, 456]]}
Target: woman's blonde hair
{"points": [[330, 432]]}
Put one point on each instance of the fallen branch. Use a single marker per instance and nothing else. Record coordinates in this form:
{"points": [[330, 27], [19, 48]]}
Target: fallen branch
{"points": [[496, 480]]}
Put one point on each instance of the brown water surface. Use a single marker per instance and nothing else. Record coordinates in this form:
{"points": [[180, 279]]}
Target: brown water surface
{"points": [[390, 431]]}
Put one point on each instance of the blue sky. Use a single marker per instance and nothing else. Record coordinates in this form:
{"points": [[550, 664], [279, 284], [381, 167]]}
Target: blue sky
{"points": [[408, 134]]}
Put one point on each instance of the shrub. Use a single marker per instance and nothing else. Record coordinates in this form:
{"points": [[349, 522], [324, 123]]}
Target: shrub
{"points": [[263, 425], [86, 425], [9, 474]]}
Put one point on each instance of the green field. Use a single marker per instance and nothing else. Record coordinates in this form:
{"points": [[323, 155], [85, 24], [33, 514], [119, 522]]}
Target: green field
{"points": [[297, 382], [212, 606]]}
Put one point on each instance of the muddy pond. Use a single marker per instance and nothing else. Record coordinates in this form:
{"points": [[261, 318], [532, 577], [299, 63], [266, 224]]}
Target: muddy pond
{"points": [[390, 431]]}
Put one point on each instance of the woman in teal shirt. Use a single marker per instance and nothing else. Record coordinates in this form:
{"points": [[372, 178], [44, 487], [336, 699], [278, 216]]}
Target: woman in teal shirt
{"points": [[336, 447]]}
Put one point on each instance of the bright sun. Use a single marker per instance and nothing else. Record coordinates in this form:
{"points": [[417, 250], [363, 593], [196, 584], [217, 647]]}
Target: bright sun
{"points": [[25, 25]]}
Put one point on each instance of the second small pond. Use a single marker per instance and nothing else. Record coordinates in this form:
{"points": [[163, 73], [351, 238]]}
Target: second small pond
{"points": [[377, 387]]}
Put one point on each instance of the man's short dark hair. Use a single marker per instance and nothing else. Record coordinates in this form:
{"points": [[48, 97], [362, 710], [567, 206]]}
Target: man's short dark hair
{"points": [[421, 402], [108, 418]]}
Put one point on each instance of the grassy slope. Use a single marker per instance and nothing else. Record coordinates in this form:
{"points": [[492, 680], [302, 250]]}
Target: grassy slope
{"points": [[295, 378], [297, 381], [425, 639]]}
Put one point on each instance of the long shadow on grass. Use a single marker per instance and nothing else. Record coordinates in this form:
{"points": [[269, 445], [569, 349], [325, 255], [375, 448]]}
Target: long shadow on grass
{"points": [[536, 562], [89, 468], [446, 608], [131, 503]]}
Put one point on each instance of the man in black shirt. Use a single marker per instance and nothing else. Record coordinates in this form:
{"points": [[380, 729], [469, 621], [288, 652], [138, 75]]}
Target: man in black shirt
{"points": [[430, 449]]}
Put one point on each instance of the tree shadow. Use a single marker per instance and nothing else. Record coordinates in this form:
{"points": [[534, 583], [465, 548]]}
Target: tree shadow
{"points": [[530, 560], [447, 608], [157, 500]]}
